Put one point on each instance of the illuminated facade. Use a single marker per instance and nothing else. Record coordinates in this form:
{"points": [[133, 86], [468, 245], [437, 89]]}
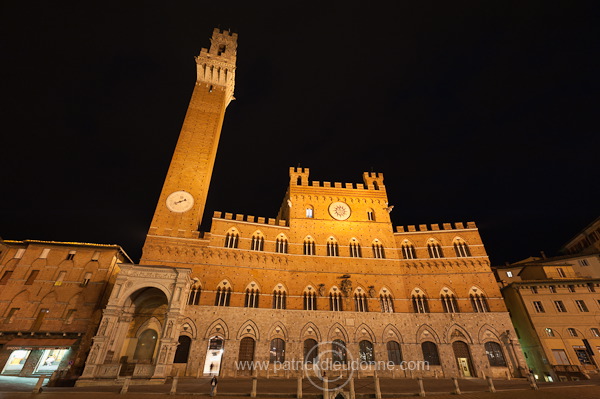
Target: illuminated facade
{"points": [[329, 268]]}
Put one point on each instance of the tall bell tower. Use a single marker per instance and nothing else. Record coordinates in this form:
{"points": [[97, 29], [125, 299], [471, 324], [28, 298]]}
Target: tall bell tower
{"points": [[183, 196]]}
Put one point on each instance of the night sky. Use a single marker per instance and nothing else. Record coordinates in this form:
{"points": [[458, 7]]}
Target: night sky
{"points": [[473, 111]]}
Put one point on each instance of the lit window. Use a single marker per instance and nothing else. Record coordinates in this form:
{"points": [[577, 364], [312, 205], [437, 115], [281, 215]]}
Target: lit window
{"points": [[309, 213], [595, 332], [509, 274], [549, 332]]}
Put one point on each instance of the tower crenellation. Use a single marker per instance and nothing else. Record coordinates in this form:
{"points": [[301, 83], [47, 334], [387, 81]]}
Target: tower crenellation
{"points": [[373, 180], [215, 66]]}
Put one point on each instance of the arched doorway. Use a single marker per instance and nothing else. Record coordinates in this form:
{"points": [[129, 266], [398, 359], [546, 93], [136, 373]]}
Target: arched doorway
{"points": [[214, 354], [246, 356], [146, 344], [463, 358]]}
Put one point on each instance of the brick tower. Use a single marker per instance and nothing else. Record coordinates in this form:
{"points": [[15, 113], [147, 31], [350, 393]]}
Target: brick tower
{"points": [[183, 196]]}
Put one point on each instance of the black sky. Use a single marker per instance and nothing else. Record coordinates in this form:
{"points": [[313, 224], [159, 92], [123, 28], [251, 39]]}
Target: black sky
{"points": [[472, 110]]}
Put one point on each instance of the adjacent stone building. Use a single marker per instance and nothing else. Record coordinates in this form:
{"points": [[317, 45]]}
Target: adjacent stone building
{"points": [[328, 274], [555, 307], [51, 297], [556, 316]]}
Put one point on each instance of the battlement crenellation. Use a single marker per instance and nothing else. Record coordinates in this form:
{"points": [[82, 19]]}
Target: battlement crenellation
{"points": [[435, 227]]}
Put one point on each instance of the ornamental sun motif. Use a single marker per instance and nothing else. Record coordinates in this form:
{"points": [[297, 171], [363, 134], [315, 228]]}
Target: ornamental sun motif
{"points": [[339, 210]]}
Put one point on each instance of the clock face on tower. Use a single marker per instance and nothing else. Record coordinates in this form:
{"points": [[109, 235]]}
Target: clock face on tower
{"points": [[339, 210], [180, 201]]}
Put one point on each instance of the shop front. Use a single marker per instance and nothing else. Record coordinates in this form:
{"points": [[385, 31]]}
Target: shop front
{"points": [[30, 356]]}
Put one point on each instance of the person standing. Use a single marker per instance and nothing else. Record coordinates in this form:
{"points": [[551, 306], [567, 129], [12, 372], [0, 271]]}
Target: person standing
{"points": [[213, 386]]}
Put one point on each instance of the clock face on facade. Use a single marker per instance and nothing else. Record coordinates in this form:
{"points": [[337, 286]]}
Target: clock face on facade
{"points": [[339, 210], [180, 201]]}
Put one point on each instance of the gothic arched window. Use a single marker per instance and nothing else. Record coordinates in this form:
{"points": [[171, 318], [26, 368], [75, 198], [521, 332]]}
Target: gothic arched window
{"points": [[355, 250], [408, 250], [231, 239], [435, 249], [387, 302], [360, 301], [494, 354], [258, 242], [394, 352], [310, 299], [461, 248], [281, 244], [194, 297], [419, 301], [279, 299], [378, 251], [309, 246], [335, 300], [332, 247], [366, 353], [430, 353], [277, 351]]}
